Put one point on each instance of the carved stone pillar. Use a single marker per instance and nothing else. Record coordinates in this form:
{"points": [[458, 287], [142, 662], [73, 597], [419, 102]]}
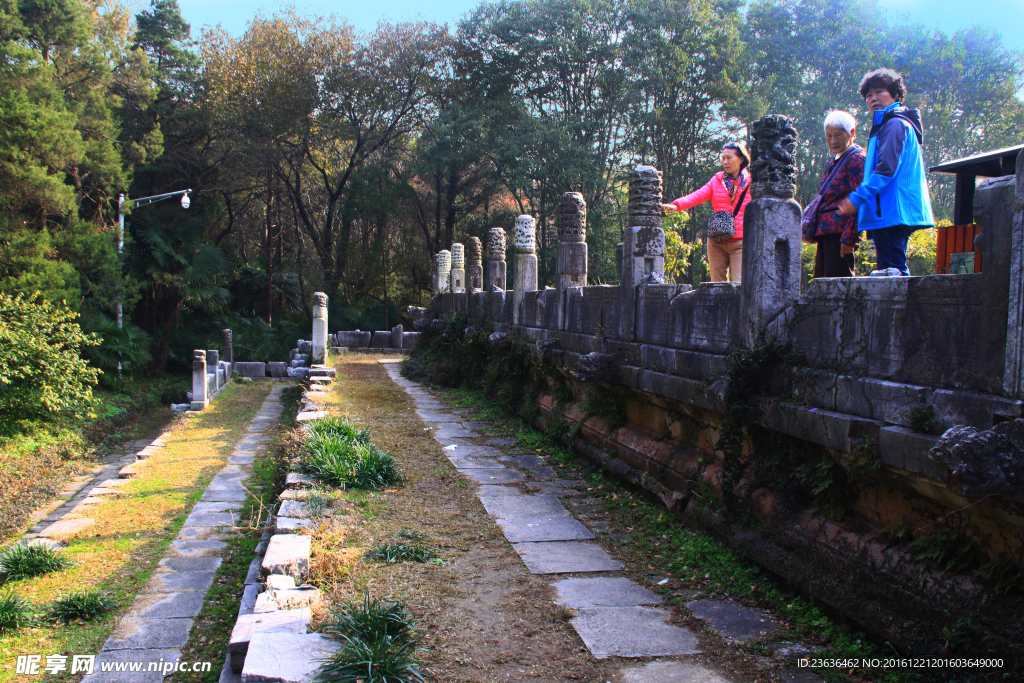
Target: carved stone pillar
{"points": [[200, 396], [442, 271], [319, 340], [474, 265], [496, 243], [457, 278], [228, 351], [525, 276], [572, 248], [771, 232], [643, 246]]}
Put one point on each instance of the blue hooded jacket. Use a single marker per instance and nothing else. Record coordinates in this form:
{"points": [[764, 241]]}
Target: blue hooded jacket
{"points": [[895, 189]]}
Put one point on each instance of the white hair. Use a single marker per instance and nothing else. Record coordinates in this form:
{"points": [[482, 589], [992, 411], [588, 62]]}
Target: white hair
{"points": [[841, 119]]}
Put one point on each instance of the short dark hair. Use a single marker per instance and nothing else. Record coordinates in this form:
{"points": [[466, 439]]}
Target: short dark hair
{"points": [[884, 78], [741, 150]]}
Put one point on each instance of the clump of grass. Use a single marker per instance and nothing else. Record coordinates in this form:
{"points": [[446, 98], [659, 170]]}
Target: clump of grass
{"points": [[412, 535], [383, 661], [340, 427], [348, 464], [15, 613], [380, 646], [370, 620], [23, 561], [86, 605], [400, 552]]}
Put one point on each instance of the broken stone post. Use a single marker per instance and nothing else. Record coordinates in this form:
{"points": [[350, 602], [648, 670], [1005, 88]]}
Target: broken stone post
{"points": [[397, 336], [572, 248], [458, 274], [474, 265], [319, 339], [643, 246], [200, 397], [1013, 380], [496, 243], [771, 233], [442, 271], [228, 350], [525, 276]]}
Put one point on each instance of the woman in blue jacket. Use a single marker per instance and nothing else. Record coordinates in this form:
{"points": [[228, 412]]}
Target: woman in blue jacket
{"points": [[893, 200]]}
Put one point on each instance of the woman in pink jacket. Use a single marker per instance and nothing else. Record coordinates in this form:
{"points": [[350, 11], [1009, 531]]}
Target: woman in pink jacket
{"points": [[724, 190]]}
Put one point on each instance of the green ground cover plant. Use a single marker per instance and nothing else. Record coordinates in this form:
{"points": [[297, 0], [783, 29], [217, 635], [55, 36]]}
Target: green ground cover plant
{"points": [[340, 455], [400, 552], [15, 612], [80, 605], [23, 561]]}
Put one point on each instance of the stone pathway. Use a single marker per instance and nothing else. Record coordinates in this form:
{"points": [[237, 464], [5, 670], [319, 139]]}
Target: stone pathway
{"points": [[615, 617], [157, 625]]}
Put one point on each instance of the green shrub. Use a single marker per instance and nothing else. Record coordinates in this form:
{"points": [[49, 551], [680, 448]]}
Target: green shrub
{"points": [[15, 613], [21, 561], [400, 552], [87, 605], [344, 463], [340, 427], [379, 644], [370, 620], [41, 367], [382, 661]]}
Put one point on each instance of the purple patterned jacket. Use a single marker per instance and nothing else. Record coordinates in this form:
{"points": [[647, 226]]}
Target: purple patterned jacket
{"points": [[846, 181]]}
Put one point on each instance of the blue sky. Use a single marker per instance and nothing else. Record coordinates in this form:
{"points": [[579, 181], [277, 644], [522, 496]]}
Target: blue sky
{"points": [[1007, 16]]}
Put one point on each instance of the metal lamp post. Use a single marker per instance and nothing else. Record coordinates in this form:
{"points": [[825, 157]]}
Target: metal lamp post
{"points": [[185, 203]]}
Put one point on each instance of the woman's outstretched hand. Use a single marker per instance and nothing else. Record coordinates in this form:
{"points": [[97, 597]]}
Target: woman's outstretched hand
{"points": [[669, 208]]}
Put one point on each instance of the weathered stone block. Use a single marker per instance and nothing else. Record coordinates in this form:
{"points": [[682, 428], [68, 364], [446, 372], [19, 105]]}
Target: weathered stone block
{"points": [[281, 623], [287, 554], [251, 369], [277, 368], [771, 267], [286, 658]]}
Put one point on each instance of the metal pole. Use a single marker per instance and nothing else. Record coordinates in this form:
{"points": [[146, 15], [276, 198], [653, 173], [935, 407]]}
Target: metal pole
{"points": [[120, 265], [120, 250]]}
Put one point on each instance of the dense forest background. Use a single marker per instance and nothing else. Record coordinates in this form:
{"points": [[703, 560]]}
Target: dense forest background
{"points": [[324, 159]]}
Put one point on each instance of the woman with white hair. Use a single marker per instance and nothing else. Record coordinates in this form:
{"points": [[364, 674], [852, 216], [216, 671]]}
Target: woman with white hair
{"points": [[836, 235]]}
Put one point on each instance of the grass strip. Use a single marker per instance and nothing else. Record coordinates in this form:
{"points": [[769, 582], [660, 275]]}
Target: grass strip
{"points": [[116, 555]]}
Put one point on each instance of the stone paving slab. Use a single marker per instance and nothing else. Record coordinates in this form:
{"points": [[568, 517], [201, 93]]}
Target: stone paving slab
{"points": [[163, 581], [139, 633], [492, 476], [143, 676], [472, 451], [632, 632], [210, 519], [524, 506], [673, 672], [294, 480], [308, 415], [428, 416], [241, 459], [533, 529], [197, 548], [733, 621], [166, 605], [294, 508], [501, 441], [495, 491], [189, 564], [603, 591], [67, 527], [470, 463], [286, 658], [248, 626], [565, 557], [287, 554], [289, 525], [523, 461], [225, 493]]}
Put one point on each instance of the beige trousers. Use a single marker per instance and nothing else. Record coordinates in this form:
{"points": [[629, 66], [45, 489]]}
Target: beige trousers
{"points": [[725, 257]]}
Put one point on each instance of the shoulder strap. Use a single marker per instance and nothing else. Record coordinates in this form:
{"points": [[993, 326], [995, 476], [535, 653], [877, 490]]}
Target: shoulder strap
{"points": [[739, 202], [835, 171]]}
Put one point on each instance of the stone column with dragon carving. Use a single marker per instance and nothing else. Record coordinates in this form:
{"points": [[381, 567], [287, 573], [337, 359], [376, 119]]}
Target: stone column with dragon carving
{"points": [[525, 275]]}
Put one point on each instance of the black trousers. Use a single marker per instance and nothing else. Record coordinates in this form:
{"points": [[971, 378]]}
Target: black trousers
{"points": [[828, 262]]}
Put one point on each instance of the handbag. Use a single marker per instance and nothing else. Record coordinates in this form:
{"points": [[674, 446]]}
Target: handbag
{"points": [[722, 224], [809, 219]]}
